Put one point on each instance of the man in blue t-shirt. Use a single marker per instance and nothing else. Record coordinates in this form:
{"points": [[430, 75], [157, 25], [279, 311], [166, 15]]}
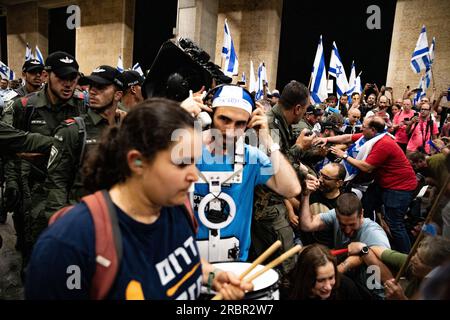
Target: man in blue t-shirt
{"points": [[237, 168], [352, 231]]}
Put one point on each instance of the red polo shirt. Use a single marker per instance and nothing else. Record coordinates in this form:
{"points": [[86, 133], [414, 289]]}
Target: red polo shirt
{"points": [[393, 170]]}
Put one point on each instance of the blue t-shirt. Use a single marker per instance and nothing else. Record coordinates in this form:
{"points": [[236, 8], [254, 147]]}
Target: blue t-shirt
{"points": [[156, 257], [257, 170], [370, 232]]}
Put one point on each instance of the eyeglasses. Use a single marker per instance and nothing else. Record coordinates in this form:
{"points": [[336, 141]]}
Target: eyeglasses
{"points": [[425, 109], [326, 177]]}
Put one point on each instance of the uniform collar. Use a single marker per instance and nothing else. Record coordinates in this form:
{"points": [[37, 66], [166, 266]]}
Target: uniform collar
{"points": [[95, 117]]}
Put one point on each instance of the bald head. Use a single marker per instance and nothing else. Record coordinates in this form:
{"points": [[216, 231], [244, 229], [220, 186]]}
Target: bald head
{"points": [[377, 123], [354, 115]]}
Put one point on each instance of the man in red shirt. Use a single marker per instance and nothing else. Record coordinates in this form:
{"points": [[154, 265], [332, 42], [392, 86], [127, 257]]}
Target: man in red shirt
{"points": [[401, 121], [393, 173]]}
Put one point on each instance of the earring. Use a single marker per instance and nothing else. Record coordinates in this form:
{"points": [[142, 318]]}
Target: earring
{"points": [[138, 162]]}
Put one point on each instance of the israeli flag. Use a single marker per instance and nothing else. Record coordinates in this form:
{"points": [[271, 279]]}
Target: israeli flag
{"points": [[12, 75], [39, 55], [262, 80], [228, 52], [352, 80], [420, 59], [137, 67], [120, 64], [337, 70], [252, 85], [243, 79], [4, 71], [318, 76], [424, 84], [28, 53], [433, 45]]}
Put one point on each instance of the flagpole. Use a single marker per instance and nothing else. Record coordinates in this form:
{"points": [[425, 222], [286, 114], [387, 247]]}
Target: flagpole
{"points": [[310, 80]]}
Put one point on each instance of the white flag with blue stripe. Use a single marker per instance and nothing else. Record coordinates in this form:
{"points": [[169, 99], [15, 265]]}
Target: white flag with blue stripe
{"points": [[252, 85], [6, 72], [28, 53], [420, 59], [120, 64], [229, 53], [337, 70], [262, 79], [39, 55], [137, 67], [318, 76], [432, 47], [243, 78]]}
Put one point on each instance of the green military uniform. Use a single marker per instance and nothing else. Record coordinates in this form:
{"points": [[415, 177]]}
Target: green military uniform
{"points": [[35, 113], [297, 128], [63, 185], [11, 165], [271, 222], [16, 141]]}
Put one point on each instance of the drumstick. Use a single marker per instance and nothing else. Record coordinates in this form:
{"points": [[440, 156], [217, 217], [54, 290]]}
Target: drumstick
{"points": [[261, 258], [258, 261], [271, 265]]}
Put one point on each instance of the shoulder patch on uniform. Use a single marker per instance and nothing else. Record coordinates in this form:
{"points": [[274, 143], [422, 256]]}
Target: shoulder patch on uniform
{"points": [[53, 153]]}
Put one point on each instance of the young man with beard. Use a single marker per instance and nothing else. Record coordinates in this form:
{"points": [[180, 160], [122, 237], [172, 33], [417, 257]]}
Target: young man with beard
{"points": [[234, 112], [76, 136]]}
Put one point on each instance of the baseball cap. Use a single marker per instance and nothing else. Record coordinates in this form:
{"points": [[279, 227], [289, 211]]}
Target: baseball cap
{"points": [[131, 78], [317, 111], [61, 63], [32, 65], [275, 93], [233, 96], [103, 75]]}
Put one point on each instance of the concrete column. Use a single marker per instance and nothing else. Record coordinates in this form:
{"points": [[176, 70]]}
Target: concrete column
{"points": [[255, 27], [197, 20], [107, 31], [26, 22], [410, 15]]}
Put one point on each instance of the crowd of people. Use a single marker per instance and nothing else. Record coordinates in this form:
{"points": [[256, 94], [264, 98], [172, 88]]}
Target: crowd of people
{"points": [[352, 180]]}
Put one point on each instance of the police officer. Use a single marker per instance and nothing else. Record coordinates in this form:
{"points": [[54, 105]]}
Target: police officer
{"points": [[76, 136], [31, 71], [270, 221], [12, 141], [42, 112], [132, 94]]}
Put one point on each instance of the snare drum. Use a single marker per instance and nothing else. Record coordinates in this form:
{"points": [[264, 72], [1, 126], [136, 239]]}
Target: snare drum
{"points": [[265, 287]]}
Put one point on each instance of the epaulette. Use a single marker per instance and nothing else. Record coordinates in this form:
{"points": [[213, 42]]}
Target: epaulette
{"points": [[69, 122]]}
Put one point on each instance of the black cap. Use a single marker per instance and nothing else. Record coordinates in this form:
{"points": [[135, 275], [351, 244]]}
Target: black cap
{"points": [[275, 93], [32, 65], [131, 78], [61, 63], [103, 75], [317, 111]]}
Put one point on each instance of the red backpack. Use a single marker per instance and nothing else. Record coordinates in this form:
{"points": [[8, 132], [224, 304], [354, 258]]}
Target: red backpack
{"points": [[108, 240]]}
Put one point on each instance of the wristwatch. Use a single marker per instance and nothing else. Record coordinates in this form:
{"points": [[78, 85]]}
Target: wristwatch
{"points": [[274, 147], [345, 157], [364, 251]]}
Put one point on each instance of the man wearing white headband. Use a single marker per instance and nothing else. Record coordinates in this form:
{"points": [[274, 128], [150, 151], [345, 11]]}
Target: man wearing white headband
{"points": [[232, 169]]}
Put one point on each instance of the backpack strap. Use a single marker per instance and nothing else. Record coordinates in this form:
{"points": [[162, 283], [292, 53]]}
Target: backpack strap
{"points": [[58, 214], [108, 242]]}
